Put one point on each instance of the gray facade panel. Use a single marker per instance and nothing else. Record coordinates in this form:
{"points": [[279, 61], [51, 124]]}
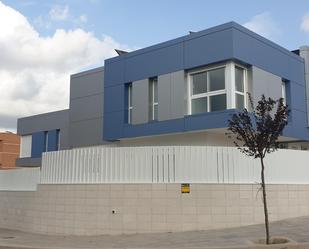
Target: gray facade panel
{"points": [[86, 132], [140, 101], [304, 52], [178, 94], [265, 83], [28, 162], [164, 97], [171, 96], [86, 108], [87, 83]]}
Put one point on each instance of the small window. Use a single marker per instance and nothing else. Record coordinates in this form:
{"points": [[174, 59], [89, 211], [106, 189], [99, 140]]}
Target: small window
{"points": [[130, 105], [153, 99], [239, 87], [216, 79], [217, 102], [45, 141], [283, 91], [199, 105], [58, 139], [199, 83]]}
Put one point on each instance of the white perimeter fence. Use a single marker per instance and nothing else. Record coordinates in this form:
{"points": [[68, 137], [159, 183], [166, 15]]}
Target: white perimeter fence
{"points": [[172, 164]]}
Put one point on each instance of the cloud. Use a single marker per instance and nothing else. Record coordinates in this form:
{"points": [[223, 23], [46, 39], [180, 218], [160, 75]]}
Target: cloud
{"points": [[305, 23], [83, 19], [264, 25], [35, 70], [59, 13]]}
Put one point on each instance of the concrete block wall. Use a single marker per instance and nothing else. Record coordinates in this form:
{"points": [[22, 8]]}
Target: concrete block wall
{"points": [[145, 208]]}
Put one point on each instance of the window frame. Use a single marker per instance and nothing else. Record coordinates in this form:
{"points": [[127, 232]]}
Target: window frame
{"points": [[152, 103], [234, 91], [207, 94]]}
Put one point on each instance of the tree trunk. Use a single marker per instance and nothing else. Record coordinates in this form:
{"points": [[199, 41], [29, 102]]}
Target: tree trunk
{"points": [[265, 203]]}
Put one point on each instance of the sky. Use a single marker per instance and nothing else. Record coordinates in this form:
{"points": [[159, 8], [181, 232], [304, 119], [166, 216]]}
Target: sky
{"points": [[43, 42]]}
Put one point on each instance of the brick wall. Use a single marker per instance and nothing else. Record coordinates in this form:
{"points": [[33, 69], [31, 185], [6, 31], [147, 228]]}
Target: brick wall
{"points": [[9, 149]]}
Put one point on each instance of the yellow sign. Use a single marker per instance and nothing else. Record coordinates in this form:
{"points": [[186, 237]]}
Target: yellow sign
{"points": [[185, 188]]}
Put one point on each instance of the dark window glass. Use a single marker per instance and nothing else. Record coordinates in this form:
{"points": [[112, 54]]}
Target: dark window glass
{"points": [[199, 83], [216, 79], [239, 79], [199, 105], [217, 102]]}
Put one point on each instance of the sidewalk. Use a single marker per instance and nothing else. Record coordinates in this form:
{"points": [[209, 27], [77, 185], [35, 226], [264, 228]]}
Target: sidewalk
{"points": [[296, 229]]}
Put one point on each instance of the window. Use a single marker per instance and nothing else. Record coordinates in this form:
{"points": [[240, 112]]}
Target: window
{"points": [[208, 92], [283, 91], [58, 139], [153, 99], [217, 88], [45, 141], [240, 97], [130, 105]]}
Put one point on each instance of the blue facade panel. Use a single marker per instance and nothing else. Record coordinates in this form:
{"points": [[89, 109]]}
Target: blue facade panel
{"points": [[52, 144], [225, 42], [207, 49], [114, 98], [38, 144], [154, 63]]}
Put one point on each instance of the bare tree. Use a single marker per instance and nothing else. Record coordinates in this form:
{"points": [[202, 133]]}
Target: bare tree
{"points": [[256, 134]]}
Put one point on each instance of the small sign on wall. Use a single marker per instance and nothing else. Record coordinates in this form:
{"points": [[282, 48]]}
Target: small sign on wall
{"points": [[185, 188]]}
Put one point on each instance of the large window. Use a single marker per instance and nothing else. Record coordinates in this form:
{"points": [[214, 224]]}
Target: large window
{"points": [[130, 105], [217, 88], [208, 92], [153, 99]]}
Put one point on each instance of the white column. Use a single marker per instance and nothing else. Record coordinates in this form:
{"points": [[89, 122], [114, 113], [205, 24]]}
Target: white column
{"points": [[230, 85]]}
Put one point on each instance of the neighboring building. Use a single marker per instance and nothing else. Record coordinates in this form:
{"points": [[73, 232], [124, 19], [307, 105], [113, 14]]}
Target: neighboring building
{"points": [[9, 149], [180, 92]]}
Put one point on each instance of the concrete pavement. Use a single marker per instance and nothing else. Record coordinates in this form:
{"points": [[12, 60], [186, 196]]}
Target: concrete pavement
{"points": [[296, 229]]}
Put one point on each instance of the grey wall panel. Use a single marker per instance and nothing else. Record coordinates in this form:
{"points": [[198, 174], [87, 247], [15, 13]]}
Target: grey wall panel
{"points": [[28, 162], [265, 83], [86, 108], [87, 83], [171, 95], [178, 94], [42, 122], [140, 101], [164, 97], [86, 132], [64, 138], [304, 52]]}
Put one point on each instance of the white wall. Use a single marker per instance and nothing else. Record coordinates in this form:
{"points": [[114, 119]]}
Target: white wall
{"points": [[19, 179], [214, 138], [25, 146], [171, 164]]}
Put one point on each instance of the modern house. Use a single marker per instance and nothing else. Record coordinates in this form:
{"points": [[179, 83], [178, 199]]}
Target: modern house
{"points": [[179, 92], [9, 149]]}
